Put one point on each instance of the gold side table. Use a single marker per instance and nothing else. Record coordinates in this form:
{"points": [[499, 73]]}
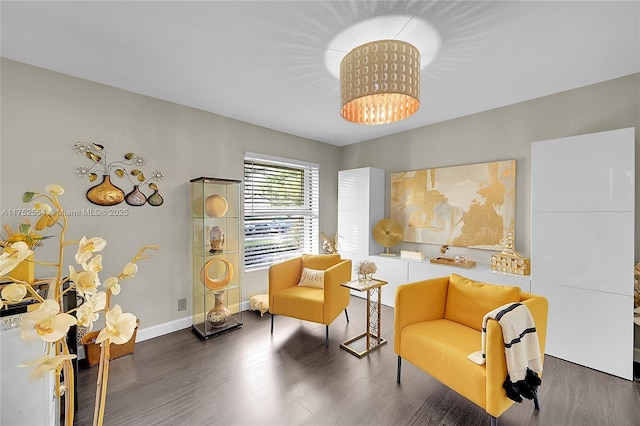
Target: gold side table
{"points": [[370, 340]]}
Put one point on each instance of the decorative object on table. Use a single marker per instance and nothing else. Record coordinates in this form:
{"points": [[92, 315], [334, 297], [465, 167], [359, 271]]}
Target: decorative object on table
{"points": [[329, 245], [510, 260], [215, 226], [462, 206], [215, 205], [365, 270], [219, 314], [50, 322], [106, 193], [25, 270], [387, 233], [412, 255], [461, 261], [221, 279], [216, 239]]}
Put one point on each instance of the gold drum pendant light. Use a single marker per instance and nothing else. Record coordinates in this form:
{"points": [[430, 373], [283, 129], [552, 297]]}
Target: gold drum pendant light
{"points": [[380, 82]]}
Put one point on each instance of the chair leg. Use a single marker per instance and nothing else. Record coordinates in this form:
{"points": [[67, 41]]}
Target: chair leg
{"points": [[346, 314], [326, 340], [494, 421], [272, 323], [399, 367], [536, 404]]}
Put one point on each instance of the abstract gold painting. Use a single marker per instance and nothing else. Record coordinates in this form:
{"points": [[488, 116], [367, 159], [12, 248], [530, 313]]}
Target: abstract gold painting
{"points": [[464, 206]]}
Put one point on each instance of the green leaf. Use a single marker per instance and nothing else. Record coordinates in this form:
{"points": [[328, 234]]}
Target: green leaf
{"points": [[25, 228], [28, 196], [141, 177], [135, 172], [128, 155], [98, 147], [153, 186], [93, 177], [120, 172]]}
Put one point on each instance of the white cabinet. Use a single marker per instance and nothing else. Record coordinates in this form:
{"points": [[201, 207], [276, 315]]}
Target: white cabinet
{"points": [[23, 402], [360, 206], [398, 271], [583, 213]]}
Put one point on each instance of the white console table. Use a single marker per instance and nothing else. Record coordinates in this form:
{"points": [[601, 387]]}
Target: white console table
{"points": [[397, 271], [23, 402]]}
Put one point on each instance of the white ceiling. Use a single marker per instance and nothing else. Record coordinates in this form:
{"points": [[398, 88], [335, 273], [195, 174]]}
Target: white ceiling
{"points": [[263, 62]]}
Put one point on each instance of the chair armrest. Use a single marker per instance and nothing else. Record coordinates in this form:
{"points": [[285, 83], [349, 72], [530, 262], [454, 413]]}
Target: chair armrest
{"points": [[496, 362], [417, 302], [496, 370], [283, 275], [336, 297], [539, 308]]}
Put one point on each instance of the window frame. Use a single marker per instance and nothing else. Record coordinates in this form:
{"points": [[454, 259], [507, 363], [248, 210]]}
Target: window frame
{"points": [[285, 232]]}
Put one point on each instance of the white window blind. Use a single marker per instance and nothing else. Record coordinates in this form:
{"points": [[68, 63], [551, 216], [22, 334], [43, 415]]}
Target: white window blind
{"points": [[280, 209]]}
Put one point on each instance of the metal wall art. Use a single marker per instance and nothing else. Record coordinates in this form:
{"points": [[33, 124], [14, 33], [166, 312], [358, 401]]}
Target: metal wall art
{"points": [[107, 193]]}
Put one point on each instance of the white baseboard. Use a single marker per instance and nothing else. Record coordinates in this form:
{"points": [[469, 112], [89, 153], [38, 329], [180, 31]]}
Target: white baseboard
{"points": [[162, 329]]}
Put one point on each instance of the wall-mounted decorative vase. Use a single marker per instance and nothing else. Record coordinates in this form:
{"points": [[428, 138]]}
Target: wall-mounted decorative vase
{"points": [[135, 197], [105, 193], [155, 199]]}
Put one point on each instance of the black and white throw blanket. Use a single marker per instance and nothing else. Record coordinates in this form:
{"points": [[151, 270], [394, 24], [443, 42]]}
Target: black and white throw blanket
{"points": [[521, 348]]}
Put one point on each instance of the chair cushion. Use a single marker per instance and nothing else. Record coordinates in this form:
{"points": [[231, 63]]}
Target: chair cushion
{"points": [[304, 303], [312, 278], [469, 301], [440, 347], [320, 261]]}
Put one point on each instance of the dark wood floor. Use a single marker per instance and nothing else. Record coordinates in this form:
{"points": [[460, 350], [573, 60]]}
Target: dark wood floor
{"points": [[248, 377]]}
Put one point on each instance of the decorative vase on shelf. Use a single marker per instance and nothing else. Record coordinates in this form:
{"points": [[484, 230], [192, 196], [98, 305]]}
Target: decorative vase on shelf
{"points": [[135, 197], [219, 315], [216, 238], [105, 193]]}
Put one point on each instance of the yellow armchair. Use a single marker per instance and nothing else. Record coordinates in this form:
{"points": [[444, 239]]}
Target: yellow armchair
{"points": [[438, 324], [316, 304]]}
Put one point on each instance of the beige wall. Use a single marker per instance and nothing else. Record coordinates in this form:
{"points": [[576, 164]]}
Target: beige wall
{"points": [[503, 134], [44, 113]]}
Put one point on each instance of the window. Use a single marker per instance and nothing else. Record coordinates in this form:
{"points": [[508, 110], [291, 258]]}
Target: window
{"points": [[280, 209]]}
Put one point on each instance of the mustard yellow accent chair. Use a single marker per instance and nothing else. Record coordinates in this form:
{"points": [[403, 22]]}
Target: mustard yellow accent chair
{"points": [[320, 305], [438, 323]]}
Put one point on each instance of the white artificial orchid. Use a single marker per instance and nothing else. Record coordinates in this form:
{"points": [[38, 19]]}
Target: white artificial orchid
{"points": [[54, 189], [129, 271], [112, 285], [87, 313], [86, 248], [13, 255], [44, 208], [119, 327], [47, 322], [95, 264], [46, 364], [86, 281], [14, 292]]}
